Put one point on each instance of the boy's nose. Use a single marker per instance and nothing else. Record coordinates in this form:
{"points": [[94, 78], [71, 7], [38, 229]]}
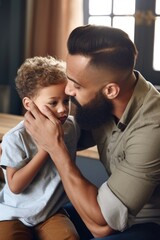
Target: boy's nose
{"points": [[62, 108]]}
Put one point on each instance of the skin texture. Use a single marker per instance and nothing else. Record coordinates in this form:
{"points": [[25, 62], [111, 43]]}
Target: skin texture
{"points": [[82, 85], [58, 102], [85, 198]]}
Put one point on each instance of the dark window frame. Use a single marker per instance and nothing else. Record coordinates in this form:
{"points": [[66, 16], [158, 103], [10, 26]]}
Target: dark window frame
{"points": [[144, 40]]}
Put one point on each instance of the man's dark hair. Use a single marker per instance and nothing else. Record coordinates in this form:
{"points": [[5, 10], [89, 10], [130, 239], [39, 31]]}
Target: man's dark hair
{"points": [[106, 46]]}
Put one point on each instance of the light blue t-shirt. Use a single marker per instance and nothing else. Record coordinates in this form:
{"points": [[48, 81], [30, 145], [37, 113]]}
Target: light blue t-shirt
{"points": [[45, 195]]}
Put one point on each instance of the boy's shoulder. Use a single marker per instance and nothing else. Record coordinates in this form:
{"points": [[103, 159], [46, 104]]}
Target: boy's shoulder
{"points": [[15, 131]]}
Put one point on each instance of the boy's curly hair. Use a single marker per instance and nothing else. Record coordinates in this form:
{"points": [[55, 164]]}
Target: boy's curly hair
{"points": [[38, 72]]}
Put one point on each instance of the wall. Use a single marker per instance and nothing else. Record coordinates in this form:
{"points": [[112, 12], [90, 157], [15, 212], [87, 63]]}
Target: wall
{"points": [[12, 29]]}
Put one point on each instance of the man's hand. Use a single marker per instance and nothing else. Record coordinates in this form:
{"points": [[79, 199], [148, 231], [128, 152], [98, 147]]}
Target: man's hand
{"points": [[44, 127], [48, 134]]}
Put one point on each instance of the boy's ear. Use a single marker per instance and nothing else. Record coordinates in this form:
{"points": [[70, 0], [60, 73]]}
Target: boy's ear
{"points": [[111, 90], [26, 102]]}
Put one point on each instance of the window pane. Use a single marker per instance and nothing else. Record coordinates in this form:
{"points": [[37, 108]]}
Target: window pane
{"points": [[158, 7], [124, 7], [100, 20], [100, 7], [126, 24], [156, 62]]}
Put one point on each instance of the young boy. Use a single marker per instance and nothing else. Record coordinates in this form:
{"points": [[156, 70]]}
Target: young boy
{"points": [[32, 199]]}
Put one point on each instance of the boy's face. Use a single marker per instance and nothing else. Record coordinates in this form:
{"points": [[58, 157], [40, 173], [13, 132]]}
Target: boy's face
{"points": [[55, 98]]}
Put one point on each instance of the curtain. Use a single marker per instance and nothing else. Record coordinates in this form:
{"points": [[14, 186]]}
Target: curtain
{"points": [[48, 25]]}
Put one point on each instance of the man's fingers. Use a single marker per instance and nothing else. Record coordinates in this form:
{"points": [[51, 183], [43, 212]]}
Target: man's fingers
{"points": [[35, 120], [50, 115], [28, 119], [34, 110], [28, 116]]}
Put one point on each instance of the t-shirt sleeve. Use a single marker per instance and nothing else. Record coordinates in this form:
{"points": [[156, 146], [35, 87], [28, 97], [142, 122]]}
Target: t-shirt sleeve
{"points": [[13, 153]]}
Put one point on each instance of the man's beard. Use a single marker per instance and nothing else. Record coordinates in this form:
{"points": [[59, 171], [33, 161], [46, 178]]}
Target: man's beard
{"points": [[95, 113]]}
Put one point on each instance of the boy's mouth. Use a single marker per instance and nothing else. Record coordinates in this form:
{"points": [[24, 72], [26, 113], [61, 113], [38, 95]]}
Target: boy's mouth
{"points": [[62, 119]]}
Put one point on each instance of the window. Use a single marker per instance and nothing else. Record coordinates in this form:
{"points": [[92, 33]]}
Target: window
{"points": [[111, 13], [140, 19]]}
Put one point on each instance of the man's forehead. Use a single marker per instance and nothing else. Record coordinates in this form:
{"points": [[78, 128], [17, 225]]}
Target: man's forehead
{"points": [[77, 66], [78, 60], [80, 71]]}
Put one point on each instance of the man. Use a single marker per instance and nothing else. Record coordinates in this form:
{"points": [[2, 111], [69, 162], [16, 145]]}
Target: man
{"points": [[120, 112]]}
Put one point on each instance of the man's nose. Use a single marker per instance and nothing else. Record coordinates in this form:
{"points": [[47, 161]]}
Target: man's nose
{"points": [[70, 90]]}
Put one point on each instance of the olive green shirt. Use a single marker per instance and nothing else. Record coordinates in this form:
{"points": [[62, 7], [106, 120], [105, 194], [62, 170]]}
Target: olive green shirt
{"points": [[130, 152]]}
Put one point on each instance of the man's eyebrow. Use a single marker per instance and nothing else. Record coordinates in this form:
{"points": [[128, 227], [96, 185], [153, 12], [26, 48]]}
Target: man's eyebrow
{"points": [[74, 81]]}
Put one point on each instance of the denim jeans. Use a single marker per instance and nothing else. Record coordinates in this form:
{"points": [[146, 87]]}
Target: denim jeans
{"points": [[145, 231]]}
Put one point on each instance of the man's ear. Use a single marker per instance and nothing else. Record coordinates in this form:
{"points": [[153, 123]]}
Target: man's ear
{"points": [[111, 90], [26, 102]]}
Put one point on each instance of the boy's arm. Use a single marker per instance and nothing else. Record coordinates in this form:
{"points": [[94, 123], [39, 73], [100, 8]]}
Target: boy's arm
{"points": [[85, 199], [19, 179]]}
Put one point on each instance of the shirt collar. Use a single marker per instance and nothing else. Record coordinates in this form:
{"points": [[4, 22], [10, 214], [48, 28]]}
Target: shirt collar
{"points": [[136, 101]]}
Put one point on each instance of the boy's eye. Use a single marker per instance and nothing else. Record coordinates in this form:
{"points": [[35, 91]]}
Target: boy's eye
{"points": [[54, 103], [66, 101]]}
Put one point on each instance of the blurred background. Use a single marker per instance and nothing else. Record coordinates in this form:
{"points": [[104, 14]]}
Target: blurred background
{"points": [[41, 27]]}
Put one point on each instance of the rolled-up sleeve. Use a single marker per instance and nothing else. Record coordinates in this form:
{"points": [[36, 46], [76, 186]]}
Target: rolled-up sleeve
{"points": [[137, 174], [131, 156], [114, 211]]}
